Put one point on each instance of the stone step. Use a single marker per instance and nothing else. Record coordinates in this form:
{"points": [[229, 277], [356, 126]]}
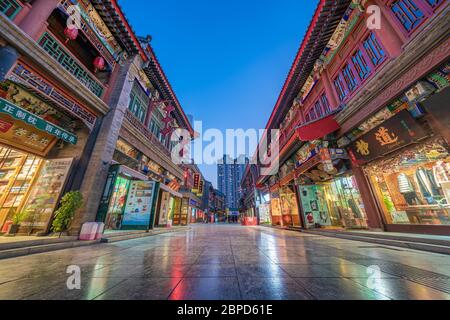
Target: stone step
{"points": [[36, 242], [437, 240], [27, 250], [128, 235], [415, 243]]}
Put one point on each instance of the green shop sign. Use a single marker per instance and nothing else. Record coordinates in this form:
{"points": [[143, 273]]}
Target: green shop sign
{"points": [[18, 113]]}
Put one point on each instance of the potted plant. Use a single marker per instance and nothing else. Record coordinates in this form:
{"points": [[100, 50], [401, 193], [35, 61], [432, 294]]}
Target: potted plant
{"points": [[70, 203], [17, 219]]}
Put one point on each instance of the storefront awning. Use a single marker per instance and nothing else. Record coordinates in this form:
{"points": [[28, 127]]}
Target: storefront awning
{"points": [[318, 129], [132, 173], [172, 192]]}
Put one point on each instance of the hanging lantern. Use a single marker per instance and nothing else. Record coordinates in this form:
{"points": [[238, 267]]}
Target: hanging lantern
{"points": [[70, 33], [99, 63]]}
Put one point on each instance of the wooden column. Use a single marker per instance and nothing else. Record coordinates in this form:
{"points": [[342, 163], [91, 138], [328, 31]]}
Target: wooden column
{"points": [[35, 22], [373, 217]]}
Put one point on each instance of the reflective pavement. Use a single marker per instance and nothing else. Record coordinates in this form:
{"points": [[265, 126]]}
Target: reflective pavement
{"points": [[230, 262]]}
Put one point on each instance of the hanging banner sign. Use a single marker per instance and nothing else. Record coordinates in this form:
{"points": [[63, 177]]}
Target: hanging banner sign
{"points": [[393, 134], [18, 113], [200, 188], [196, 187]]}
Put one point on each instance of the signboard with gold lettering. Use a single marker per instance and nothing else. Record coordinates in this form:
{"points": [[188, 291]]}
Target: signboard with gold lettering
{"points": [[396, 132], [24, 137], [18, 113], [196, 187]]}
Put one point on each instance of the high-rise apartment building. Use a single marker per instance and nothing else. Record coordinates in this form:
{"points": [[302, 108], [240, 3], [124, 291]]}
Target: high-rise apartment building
{"points": [[229, 175]]}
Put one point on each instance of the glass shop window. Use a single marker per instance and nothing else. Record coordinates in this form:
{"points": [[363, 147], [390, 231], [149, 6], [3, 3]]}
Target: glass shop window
{"points": [[414, 187]]}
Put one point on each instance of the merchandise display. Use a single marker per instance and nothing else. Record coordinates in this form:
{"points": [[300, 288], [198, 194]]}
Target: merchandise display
{"points": [[17, 173], [413, 187], [289, 206], [117, 203], [336, 203]]}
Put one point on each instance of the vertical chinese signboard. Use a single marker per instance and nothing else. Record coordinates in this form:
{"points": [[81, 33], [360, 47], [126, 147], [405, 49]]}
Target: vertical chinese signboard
{"points": [[196, 187]]}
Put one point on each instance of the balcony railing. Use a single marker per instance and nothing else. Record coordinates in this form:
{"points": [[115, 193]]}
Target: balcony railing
{"points": [[150, 136], [55, 49], [287, 132], [10, 8]]}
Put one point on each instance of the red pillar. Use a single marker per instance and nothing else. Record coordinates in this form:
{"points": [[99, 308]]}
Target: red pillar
{"points": [[329, 90], [35, 22], [373, 217]]}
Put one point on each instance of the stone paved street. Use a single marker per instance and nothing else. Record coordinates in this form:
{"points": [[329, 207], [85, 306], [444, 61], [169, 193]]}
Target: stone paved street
{"points": [[230, 262]]}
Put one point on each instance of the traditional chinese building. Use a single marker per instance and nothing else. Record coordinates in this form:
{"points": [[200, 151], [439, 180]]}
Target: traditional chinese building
{"points": [[55, 83], [84, 105], [363, 117]]}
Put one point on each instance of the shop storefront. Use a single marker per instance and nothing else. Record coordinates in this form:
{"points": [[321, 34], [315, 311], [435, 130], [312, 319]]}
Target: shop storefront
{"points": [[275, 208], [414, 186], [35, 152], [289, 206], [284, 206], [328, 191], [411, 184], [169, 206], [335, 203], [128, 200], [193, 208], [263, 208], [404, 154]]}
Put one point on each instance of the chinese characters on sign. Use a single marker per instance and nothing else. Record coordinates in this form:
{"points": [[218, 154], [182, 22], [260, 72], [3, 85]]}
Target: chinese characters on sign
{"points": [[28, 118], [396, 132]]}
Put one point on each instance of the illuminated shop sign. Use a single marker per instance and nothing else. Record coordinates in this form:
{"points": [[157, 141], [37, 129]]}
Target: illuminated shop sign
{"points": [[389, 136]]}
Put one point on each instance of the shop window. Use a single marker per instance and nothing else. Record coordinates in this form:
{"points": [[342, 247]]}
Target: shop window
{"points": [[17, 172], [318, 109], [408, 13], [336, 203], [414, 187], [340, 87], [349, 77], [139, 102], [361, 66], [374, 50], [117, 203], [325, 104]]}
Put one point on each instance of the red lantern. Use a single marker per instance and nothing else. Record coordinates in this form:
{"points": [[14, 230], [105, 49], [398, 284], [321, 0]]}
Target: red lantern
{"points": [[99, 63], [70, 33]]}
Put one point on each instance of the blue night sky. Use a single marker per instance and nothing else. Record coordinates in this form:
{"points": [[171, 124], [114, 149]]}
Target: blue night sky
{"points": [[226, 60]]}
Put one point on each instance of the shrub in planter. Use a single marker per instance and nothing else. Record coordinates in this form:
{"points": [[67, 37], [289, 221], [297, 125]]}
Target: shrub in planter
{"points": [[17, 219], [70, 203]]}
